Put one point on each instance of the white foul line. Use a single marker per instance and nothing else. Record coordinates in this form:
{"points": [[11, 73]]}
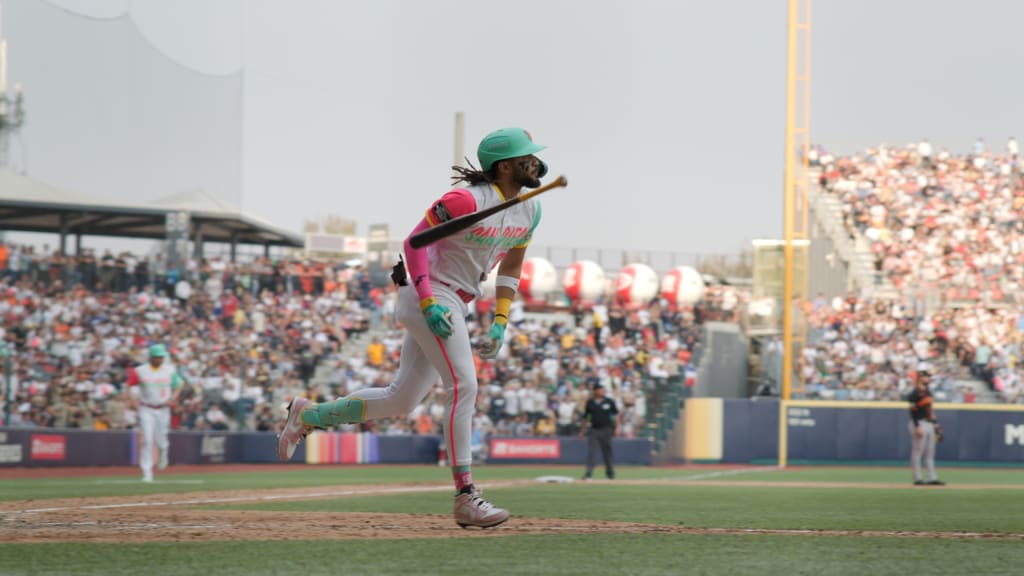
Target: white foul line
{"points": [[269, 497], [722, 473]]}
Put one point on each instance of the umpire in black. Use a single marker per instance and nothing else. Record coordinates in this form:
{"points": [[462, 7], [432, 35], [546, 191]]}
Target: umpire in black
{"points": [[600, 423]]}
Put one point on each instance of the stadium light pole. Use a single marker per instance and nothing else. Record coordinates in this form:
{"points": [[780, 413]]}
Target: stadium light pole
{"points": [[795, 221]]}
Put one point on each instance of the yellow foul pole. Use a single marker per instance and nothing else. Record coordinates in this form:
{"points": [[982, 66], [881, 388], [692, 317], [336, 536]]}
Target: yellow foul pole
{"points": [[789, 212], [795, 221]]}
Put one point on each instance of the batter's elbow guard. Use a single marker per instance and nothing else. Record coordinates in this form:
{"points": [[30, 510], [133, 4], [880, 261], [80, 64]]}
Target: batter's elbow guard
{"points": [[398, 274]]}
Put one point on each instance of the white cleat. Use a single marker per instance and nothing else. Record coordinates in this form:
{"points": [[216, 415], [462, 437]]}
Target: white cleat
{"points": [[472, 510], [294, 430]]}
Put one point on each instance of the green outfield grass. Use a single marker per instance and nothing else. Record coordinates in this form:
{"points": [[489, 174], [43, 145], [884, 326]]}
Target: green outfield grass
{"points": [[735, 499]]}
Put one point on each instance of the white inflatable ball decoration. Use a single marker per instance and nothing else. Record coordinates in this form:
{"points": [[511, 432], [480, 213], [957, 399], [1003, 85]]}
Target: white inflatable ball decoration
{"points": [[682, 286], [537, 278], [583, 281], [636, 284]]}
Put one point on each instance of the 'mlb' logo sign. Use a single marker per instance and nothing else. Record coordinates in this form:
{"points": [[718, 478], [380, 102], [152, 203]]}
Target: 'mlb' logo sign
{"points": [[1014, 435]]}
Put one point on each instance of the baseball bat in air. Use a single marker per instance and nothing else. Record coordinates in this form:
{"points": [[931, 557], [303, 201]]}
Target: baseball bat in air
{"points": [[435, 233]]}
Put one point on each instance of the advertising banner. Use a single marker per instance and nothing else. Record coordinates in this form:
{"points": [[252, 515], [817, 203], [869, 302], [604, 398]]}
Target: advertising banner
{"points": [[529, 448]]}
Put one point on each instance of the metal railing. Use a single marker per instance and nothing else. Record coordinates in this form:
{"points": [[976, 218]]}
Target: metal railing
{"points": [[851, 247]]}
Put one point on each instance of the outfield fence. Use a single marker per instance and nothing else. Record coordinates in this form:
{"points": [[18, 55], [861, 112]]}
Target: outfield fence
{"points": [[55, 447]]}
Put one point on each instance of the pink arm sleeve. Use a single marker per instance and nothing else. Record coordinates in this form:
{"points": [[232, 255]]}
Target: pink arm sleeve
{"points": [[452, 205], [416, 263]]}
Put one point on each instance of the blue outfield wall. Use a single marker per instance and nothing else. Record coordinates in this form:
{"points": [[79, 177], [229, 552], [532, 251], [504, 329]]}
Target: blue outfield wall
{"points": [[750, 430], [875, 432], [50, 447], [408, 449]]}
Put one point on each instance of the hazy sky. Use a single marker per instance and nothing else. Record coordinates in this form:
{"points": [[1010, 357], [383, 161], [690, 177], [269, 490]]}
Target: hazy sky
{"points": [[666, 116]]}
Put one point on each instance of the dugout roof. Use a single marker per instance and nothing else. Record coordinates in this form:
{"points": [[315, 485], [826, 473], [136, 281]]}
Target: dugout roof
{"points": [[28, 205]]}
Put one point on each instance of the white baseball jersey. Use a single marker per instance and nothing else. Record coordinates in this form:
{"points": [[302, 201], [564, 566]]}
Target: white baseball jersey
{"points": [[155, 384], [464, 260], [458, 263]]}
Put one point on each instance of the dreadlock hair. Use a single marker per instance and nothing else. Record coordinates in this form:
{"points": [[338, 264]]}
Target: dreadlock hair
{"points": [[472, 175]]}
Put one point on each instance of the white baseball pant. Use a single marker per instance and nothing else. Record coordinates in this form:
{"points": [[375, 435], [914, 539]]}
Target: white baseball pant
{"points": [[424, 357], [923, 446], [155, 424]]}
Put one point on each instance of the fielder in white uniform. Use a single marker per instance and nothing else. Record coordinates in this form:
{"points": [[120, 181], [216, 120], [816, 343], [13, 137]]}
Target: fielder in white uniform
{"points": [[154, 385], [443, 278]]}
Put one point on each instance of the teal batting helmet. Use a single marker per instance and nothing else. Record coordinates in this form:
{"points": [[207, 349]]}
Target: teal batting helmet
{"points": [[504, 144], [157, 351]]}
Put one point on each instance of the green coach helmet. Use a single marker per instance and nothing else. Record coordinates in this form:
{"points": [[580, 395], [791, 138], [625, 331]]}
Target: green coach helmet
{"points": [[504, 144], [157, 351]]}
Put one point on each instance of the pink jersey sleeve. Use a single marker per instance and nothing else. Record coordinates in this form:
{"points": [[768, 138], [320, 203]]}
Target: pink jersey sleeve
{"points": [[452, 205], [417, 265], [458, 202]]}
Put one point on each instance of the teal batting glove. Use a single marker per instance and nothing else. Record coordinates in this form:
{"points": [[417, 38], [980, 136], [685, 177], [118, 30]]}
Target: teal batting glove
{"points": [[495, 338], [438, 317]]}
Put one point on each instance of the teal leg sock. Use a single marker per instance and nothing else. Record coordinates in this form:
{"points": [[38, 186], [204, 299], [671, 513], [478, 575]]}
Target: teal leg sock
{"points": [[330, 414]]}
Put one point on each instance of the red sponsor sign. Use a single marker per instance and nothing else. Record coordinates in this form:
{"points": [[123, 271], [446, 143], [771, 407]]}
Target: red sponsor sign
{"points": [[48, 447], [526, 448]]}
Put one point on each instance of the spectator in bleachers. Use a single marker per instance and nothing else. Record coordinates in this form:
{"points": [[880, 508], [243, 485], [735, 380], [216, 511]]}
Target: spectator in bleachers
{"points": [[249, 344], [947, 233], [951, 223]]}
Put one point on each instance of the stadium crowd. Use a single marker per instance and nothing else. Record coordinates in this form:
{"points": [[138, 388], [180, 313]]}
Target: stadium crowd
{"points": [[251, 335], [936, 221], [870, 349], [946, 230]]}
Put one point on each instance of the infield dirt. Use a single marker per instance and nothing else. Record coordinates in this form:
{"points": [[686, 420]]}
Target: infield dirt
{"points": [[185, 517]]}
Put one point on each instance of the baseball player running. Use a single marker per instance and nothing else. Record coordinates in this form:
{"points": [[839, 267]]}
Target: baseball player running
{"points": [[154, 386], [445, 277]]}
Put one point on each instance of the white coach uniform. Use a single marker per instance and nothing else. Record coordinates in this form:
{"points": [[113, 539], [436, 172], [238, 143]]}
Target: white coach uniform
{"points": [[154, 388], [458, 265]]}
